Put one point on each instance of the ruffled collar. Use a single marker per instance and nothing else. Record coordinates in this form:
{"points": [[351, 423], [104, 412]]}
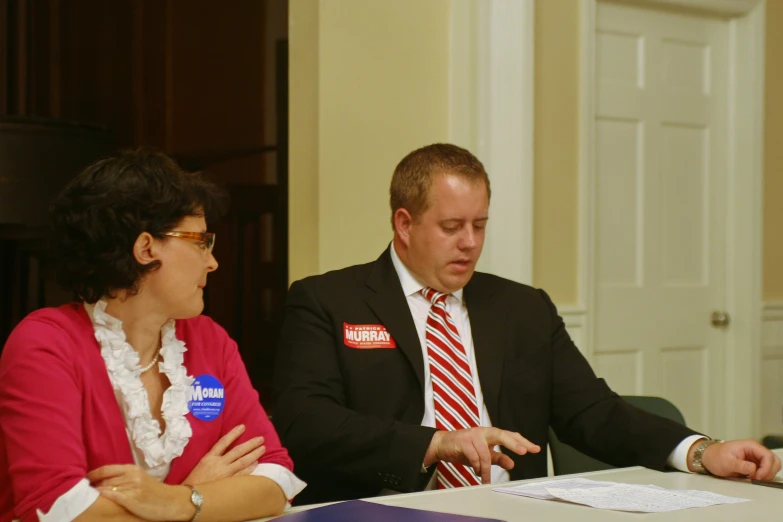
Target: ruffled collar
{"points": [[122, 363]]}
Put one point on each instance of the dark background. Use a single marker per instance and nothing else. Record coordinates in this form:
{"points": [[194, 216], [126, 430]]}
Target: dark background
{"points": [[205, 82]]}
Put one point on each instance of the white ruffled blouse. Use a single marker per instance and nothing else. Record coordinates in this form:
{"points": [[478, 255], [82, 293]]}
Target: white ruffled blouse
{"points": [[152, 451]]}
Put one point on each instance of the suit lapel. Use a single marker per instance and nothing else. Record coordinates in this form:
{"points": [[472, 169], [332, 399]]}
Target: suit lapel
{"points": [[390, 305], [486, 325]]}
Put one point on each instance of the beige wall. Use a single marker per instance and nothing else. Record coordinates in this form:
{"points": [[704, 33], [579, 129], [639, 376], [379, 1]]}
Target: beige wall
{"points": [[359, 103], [303, 244], [369, 83], [556, 149], [773, 155]]}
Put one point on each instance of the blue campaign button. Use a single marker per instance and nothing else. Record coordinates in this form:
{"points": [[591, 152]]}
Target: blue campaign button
{"points": [[207, 398]]}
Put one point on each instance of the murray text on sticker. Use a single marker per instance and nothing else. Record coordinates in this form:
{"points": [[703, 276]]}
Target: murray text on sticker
{"points": [[367, 336]]}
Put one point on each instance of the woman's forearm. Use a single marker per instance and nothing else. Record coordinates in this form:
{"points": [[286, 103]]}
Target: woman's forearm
{"points": [[104, 510], [232, 499], [240, 498]]}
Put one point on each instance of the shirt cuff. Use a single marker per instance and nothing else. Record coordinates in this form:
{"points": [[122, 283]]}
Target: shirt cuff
{"points": [[678, 459], [288, 482], [71, 504]]}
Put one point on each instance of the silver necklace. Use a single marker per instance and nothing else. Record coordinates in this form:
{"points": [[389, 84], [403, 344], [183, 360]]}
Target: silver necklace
{"points": [[154, 360]]}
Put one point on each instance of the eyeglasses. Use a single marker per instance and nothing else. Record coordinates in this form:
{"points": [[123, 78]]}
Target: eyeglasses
{"points": [[207, 239]]}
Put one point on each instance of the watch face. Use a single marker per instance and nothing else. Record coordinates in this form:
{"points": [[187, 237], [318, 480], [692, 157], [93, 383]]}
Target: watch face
{"points": [[196, 498]]}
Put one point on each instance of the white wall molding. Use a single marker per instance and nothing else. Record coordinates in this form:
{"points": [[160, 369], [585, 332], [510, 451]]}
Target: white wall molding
{"points": [[719, 7], [742, 391], [772, 332], [772, 311], [771, 368], [575, 319], [744, 246], [585, 284], [491, 114]]}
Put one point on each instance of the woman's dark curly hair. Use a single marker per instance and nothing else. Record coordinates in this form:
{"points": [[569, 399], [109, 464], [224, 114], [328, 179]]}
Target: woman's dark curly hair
{"points": [[97, 218]]}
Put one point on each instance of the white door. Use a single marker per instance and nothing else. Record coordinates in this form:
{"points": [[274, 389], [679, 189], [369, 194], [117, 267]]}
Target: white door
{"points": [[661, 142]]}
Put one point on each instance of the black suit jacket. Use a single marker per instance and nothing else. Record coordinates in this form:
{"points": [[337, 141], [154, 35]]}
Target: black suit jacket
{"points": [[351, 418]]}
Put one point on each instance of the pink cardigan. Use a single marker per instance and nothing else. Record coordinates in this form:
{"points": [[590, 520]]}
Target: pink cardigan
{"points": [[59, 417]]}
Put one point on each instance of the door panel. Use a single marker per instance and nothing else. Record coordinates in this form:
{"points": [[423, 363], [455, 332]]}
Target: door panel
{"points": [[660, 154]]}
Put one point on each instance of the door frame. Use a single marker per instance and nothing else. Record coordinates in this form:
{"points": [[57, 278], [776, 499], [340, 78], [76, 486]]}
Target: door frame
{"points": [[740, 384]]}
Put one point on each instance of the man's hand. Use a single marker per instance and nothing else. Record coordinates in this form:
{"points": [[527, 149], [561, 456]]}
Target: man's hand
{"points": [[475, 447], [739, 458]]}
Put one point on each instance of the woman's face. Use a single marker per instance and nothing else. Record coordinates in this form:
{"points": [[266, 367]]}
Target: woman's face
{"points": [[178, 284]]}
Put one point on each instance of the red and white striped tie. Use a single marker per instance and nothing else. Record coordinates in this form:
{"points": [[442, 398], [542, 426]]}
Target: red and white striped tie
{"points": [[452, 386]]}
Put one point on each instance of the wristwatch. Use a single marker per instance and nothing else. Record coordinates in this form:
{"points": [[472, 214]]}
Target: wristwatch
{"points": [[699, 453], [197, 500]]}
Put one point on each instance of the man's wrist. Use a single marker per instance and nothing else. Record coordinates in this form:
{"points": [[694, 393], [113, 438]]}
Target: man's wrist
{"points": [[431, 455], [696, 454]]}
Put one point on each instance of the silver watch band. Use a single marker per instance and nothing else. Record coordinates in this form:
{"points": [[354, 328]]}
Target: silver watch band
{"points": [[197, 500], [698, 454]]}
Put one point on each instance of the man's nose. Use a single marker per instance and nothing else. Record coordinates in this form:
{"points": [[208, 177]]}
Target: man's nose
{"points": [[468, 240]]}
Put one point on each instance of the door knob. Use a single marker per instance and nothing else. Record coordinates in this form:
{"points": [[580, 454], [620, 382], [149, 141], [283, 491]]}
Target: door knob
{"points": [[720, 319]]}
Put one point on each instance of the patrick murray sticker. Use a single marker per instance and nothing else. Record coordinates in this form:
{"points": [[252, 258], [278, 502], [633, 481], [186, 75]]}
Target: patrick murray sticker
{"points": [[207, 398], [367, 336]]}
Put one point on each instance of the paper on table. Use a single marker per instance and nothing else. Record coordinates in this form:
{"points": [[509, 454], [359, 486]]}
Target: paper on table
{"points": [[644, 499], [619, 497], [538, 489]]}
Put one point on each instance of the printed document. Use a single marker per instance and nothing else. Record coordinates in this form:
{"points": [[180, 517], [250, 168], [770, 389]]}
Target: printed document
{"points": [[619, 497]]}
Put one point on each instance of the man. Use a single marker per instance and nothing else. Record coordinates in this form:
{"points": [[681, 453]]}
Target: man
{"points": [[414, 371]]}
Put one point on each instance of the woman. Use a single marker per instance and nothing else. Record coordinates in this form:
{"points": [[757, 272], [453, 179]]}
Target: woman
{"points": [[124, 406]]}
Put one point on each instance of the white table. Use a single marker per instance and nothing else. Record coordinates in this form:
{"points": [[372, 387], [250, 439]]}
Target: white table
{"points": [[766, 503]]}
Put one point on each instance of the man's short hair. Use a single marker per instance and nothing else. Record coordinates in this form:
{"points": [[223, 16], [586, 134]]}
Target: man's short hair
{"points": [[412, 179]]}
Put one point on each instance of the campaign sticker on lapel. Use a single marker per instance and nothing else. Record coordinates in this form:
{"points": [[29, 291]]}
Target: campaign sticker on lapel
{"points": [[367, 336], [207, 398]]}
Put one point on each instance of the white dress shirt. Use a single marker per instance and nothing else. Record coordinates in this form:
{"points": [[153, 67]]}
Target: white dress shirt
{"points": [[420, 308]]}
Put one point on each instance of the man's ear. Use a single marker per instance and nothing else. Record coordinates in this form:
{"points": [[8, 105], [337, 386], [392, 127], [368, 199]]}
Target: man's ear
{"points": [[403, 221], [145, 249]]}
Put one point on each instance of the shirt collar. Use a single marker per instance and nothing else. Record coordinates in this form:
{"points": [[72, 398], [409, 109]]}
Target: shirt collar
{"points": [[410, 285]]}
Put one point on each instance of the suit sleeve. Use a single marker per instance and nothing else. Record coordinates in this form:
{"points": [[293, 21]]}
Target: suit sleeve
{"points": [[41, 412], [589, 416], [314, 418]]}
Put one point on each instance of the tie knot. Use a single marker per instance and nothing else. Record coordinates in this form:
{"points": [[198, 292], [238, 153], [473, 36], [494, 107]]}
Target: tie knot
{"points": [[433, 296]]}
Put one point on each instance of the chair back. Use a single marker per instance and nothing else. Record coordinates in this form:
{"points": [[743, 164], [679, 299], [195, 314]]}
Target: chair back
{"points": [[567, 460]]}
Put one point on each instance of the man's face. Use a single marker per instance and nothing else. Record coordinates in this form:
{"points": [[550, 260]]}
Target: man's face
{"points": [[445, 242]]}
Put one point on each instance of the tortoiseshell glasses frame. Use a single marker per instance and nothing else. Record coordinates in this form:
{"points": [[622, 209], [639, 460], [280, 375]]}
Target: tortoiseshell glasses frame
{"points": [[207, 239]]}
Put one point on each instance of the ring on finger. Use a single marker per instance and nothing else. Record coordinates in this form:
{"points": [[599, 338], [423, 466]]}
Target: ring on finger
{"points": [[114, 488]]}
